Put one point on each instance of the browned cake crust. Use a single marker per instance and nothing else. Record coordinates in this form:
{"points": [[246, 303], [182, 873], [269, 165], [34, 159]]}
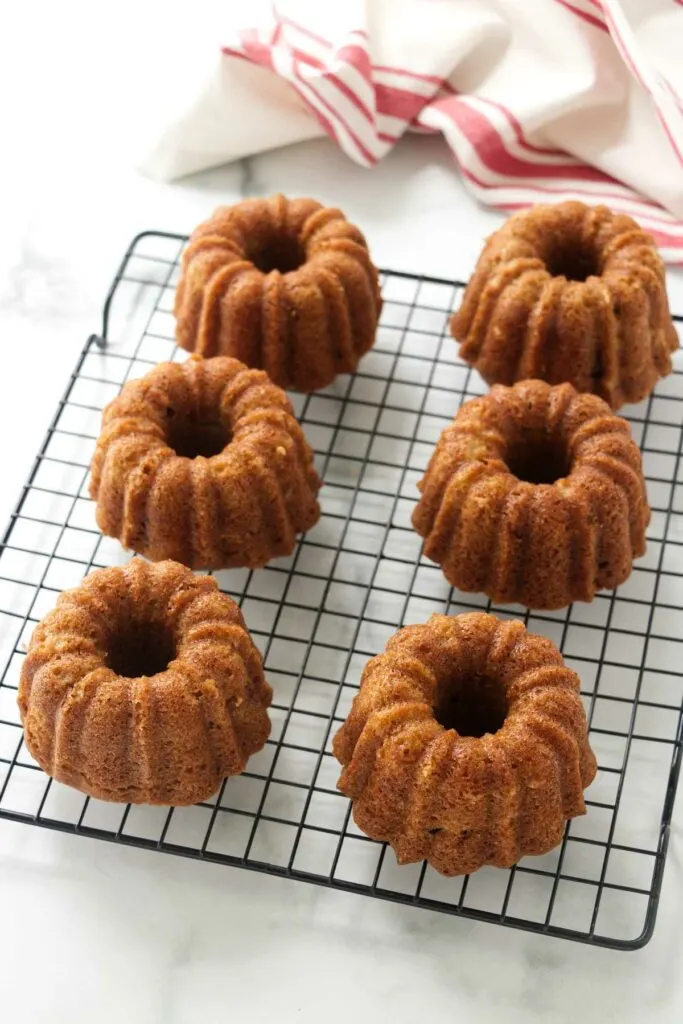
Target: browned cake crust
{"points": [[144, 685], [285, 285], [534, 494], [204, 463], [569, 293], [498, 789]]}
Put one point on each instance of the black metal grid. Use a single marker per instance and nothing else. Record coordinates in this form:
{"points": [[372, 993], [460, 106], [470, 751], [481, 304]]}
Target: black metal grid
{"points": [[319, 614]]}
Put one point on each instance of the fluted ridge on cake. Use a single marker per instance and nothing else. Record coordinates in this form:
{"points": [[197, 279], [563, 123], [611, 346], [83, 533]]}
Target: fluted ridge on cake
{"points": [[241, 504], [168, 734], [284, 285], [571, 525], [458, 800], [568, 292]]}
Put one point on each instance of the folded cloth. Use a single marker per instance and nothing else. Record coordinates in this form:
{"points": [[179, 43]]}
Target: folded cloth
{"points": [[540, 101]]}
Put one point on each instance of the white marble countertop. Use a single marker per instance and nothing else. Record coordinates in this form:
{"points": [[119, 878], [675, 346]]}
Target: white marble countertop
{"points": [[90, 931]]}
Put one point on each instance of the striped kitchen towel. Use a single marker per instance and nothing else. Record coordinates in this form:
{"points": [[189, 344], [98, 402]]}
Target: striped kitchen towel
{"points": [[540, 100]]}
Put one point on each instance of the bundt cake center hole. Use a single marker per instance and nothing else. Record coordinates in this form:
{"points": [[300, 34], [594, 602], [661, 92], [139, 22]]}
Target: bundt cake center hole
{"points": [[283, 253], [140, 648], [190, 437], [537, 460], [472, 706], [573, 261]]}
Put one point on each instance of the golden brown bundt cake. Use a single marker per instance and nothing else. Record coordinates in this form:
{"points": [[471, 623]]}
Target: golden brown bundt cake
{"points": [[285, 285], [466, 744], [569, 293], [534, 494], [204, 463], [144, 685]]}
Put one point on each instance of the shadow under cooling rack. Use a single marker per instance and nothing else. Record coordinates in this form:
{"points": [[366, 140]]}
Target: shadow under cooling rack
{"points": [[318, 615]]}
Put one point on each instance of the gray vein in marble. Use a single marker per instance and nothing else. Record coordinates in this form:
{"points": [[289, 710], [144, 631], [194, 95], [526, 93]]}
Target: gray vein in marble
{"points": [[38, 284], [248, 185]]}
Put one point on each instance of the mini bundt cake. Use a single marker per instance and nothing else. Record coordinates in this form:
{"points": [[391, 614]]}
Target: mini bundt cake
{"points": [[285, 285], [569, 293], [204, 463], [144, 686], [534, 494], [466, 744]]}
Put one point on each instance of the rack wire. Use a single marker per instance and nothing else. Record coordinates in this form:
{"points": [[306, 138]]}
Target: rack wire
{"points": [[318, 615]]}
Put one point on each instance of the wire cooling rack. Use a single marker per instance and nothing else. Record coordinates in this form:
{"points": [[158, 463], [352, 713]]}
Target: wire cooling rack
{"points": [[321, 613]]}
